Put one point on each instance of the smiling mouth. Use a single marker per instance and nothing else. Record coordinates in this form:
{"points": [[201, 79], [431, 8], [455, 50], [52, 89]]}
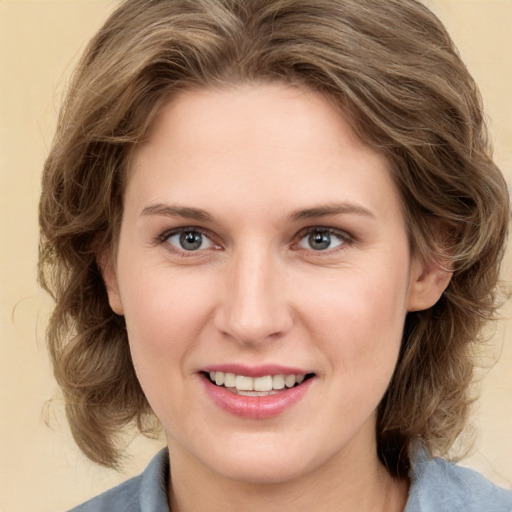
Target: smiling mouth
{"points": [[256, 386]]}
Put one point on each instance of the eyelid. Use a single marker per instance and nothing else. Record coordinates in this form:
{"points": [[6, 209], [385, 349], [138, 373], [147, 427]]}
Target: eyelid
{"points": [[165, 235], [345, 237]]}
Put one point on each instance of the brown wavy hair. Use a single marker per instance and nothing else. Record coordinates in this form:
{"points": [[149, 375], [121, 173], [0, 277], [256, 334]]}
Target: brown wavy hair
{"points": [[393, 70]]}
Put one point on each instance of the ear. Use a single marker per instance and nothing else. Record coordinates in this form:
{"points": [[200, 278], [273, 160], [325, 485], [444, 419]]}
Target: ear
{"points": [[428, 281], [109, 274]]}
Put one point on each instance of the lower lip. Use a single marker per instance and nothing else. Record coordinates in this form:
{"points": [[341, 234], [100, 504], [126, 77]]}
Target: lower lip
{"points": [[256, 407]]}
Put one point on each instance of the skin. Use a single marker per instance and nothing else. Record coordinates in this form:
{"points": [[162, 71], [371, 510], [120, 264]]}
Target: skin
{"points": [[251, 157]]}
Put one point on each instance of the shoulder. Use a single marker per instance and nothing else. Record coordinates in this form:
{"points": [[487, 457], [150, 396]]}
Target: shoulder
{"points": [[144, 493], [440, 486]]}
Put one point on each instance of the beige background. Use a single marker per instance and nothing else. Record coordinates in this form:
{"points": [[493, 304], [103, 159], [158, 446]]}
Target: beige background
{"points": [[40, 468]]}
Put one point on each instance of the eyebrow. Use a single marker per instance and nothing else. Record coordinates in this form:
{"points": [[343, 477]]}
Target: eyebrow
{"points": [[177, 211], [198, 214], [331, 209]]}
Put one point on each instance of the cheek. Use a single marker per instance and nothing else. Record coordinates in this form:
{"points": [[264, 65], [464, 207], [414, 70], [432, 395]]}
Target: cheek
{"points": [[358, 320], [164, 317]]}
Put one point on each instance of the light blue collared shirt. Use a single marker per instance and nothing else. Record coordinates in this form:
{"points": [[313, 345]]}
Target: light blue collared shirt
{"points": [[436, 486]]}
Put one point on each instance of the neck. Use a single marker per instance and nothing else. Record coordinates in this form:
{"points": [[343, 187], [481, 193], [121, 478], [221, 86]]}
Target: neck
{"points": [[350, 481]]}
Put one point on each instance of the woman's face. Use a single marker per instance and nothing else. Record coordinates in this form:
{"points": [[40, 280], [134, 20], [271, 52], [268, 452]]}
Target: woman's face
{"points": [[261, 240]]}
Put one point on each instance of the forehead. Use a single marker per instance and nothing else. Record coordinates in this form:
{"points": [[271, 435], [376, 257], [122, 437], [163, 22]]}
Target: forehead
{"points": [[252, 113], [256, 144]]}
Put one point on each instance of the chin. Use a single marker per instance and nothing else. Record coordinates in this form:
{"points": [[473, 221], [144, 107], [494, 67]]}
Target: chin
{"points": [[262, 463], [262, 472]]}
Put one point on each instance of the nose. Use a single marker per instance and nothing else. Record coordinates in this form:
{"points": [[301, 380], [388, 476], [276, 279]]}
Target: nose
{"points": [[254, 306]]}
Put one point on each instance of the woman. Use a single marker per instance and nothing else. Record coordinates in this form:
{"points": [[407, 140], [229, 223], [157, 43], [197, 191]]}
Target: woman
{"points": [[275, 226]]}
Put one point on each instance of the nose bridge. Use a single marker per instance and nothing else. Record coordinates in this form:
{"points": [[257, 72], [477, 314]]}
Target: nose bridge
{"points": [[254, 306]]}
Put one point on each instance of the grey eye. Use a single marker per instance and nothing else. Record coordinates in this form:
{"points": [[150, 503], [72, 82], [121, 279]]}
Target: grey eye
{"points": [[320, 240], [190, 241]]}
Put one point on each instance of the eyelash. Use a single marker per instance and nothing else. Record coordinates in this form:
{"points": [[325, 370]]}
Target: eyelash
{"points": [[344, 238], [164, 239]]}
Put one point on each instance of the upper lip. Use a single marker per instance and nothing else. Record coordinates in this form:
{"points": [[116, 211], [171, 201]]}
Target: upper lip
{"points": [[255, 371]]}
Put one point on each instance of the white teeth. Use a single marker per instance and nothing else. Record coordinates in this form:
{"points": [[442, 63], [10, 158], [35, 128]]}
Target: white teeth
{"points": [[229, 380], [255, 393], [289, 381], [263, 383], [243, 383], [258, 386], [278, 381]]}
